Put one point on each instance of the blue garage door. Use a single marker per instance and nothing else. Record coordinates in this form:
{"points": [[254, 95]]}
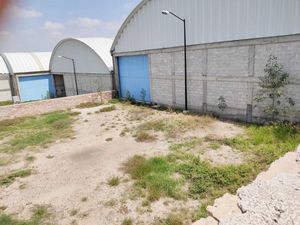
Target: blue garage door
{"points": [[134, 79], [36, 87]]}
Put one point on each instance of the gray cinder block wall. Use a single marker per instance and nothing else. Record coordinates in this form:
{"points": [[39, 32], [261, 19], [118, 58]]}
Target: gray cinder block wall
{"points": [[228, 69], [87, 83], [5, 91]]}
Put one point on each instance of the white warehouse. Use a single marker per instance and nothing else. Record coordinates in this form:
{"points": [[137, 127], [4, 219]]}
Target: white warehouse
{"points": [[229, 42], [5, 90], [91, 70]]}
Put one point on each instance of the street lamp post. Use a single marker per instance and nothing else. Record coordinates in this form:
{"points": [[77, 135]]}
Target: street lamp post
{"points": [[166, 12], [74, 69]]}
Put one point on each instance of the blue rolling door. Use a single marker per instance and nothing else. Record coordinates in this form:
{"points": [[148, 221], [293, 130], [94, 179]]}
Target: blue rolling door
{"points": [[134, 78], [36, 87]]}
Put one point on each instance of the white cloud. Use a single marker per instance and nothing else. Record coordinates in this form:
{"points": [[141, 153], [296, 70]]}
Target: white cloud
{"points": [[53, 26], [19, 12], [91, 23], [87, 22]]}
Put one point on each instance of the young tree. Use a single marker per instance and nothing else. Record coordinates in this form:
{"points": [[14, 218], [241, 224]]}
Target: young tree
{"points": [[272, 89]]}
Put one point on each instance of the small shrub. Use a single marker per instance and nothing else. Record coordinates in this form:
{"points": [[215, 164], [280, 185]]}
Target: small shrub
{"points": [[113, 181]]}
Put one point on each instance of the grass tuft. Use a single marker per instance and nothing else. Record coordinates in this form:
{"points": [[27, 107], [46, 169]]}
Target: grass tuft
{"points": [[40, 214], [127, 221], [6, 180], [113, 181], [85, 105], [143, 136], [154, 175], [107, 109]]}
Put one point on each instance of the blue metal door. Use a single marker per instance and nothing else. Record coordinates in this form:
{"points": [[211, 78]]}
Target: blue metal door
{"points": [[133, 76], [36, 87]]}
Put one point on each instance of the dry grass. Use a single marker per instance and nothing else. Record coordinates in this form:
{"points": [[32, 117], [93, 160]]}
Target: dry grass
{"points": [[8, 179], [107, 109], [88, 105], [175, 125]]}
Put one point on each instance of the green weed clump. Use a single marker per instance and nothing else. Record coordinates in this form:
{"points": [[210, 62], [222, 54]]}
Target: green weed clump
{"points": [[153, 175], [40, 214], [37, 131], [6, 180], [113, 181]]}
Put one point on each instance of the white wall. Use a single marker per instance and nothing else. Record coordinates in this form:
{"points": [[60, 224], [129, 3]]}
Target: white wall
{"points": [[208, 21], [86, 60]]}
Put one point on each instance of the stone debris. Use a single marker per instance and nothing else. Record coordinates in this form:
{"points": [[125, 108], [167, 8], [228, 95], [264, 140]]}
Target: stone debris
{"points": [[224, 207], [275, 201]]}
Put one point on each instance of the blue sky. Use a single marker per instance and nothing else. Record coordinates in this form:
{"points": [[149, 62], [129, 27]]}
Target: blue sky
{"points": [[37, 25]]}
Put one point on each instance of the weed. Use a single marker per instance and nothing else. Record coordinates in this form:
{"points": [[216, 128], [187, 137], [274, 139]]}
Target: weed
{"points": [[175, 125], [40, 214], [172, 219], [29, 158], [84, 199], [74, 212], [127, 221], [5, 103], [113, 181], [88, 105], [10, 178], [111, 203], [154, 175], [108, 139], [50, 156], [22, 186], [27, 132], [107, 109], [143, 136], [146, 203]]}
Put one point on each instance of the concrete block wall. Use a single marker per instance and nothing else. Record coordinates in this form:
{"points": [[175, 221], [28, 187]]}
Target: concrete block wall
{"points": [[229, 69], [87, 83], [5, 91]]}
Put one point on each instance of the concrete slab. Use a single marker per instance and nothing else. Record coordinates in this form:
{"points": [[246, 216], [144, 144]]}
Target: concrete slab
{"points": [[224, 207]]}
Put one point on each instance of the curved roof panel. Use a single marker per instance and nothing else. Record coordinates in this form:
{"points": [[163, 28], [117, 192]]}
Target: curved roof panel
{"points": [[3, 67], [102, 47], [23, 62], [207, 21]]}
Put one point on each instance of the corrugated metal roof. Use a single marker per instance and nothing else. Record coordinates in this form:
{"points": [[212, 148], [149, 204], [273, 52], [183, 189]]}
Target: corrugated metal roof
{"points": [[102, 47], [23, 62], [207, 21], [3, 67]]}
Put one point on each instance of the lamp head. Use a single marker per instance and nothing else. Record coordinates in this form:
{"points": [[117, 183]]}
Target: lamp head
{"points": [[165, 12]]}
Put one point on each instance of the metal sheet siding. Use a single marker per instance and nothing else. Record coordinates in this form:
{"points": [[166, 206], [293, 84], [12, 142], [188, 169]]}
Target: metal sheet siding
{"points": [[208, 21], [36, 87], [3, 67], [134, 77]]}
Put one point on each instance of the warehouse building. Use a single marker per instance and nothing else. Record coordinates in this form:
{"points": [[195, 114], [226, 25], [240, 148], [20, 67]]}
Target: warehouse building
{"points": [[229, 42], [82, 65], [30, 76], [5, 91]]}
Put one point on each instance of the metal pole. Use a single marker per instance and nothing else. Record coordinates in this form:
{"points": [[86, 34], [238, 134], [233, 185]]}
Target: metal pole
{"points": [[185, 67], [75, 75]]}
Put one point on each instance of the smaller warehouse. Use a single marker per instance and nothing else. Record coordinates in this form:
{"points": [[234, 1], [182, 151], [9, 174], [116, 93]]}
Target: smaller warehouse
{"points": [[82, 65], [30, 77], [5, 92]]}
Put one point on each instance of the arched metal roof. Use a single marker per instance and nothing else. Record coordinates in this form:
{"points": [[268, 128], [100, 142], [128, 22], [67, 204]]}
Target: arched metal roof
{"points": [[27, 62], [3, 67], [208, 21], [101, 46]]}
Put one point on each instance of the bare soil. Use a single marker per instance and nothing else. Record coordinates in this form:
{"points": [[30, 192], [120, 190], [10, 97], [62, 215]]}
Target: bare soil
{"points": [[72, 175]]}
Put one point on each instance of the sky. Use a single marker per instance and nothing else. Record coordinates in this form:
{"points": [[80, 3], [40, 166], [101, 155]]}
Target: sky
{"points": [[38, 25]]}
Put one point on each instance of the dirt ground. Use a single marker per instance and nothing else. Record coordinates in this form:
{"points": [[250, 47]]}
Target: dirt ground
{"points": [[71, 175]]}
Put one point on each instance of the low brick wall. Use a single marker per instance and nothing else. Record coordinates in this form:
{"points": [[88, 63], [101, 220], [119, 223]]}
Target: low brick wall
{"points": [[51, 105]]}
